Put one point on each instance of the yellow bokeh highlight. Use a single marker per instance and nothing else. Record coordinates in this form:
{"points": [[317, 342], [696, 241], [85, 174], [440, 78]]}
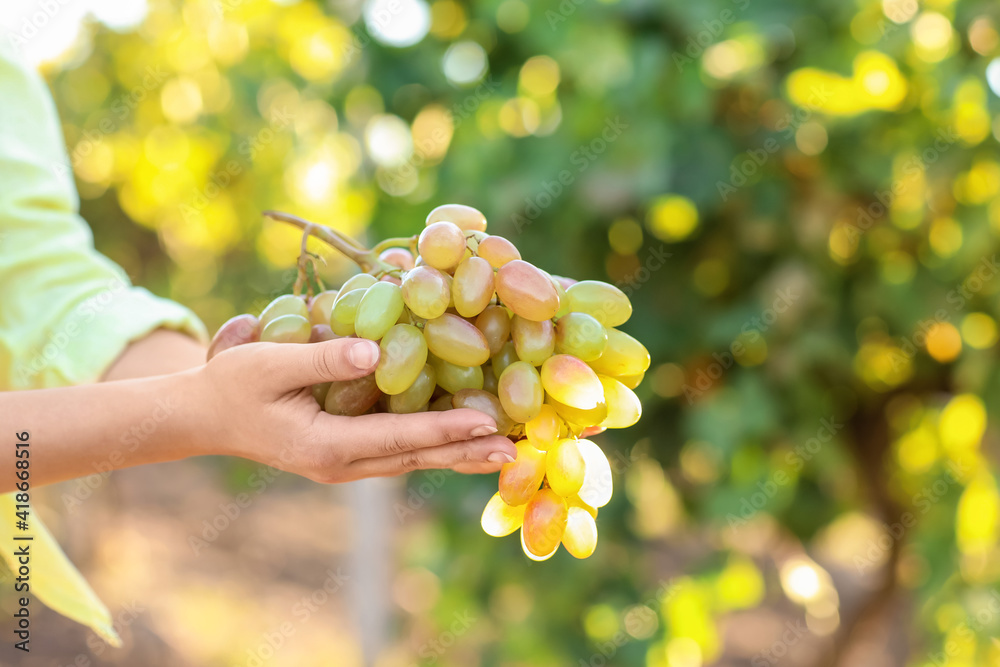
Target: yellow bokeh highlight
{"points": [[432, 132], [672, 218], [876, 83], [978, 515], [727, 59], [979, 185], [519, 116], [943, 342], [932, 36], [539, 76], [750, 349], [882, 364], [625, 236], [918, 450], [843, 242], [448, 19], [600, 622], [181, 100], [688, 614], [970, 117], [740, 585], [945, 237], [962, 424], [979, 331], [711, 276]]}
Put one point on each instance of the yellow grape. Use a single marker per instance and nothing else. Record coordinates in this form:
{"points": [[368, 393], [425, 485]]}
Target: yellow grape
{"points": [[527, 291], [564, 468], [520, 479], [631, 381], [572, 382], [544, 523], [624, 408], [402, 358], [497, 251], [237, 330], [472, 288], [520, 391], [286, 304], [456, 340], [574, 501], [606, 303], [454, 378], [441, 245], [465, 217], [485, 402], [580, 536], [543, 430], [534, 341], [426, 292], [400, 257], [416, 395], [351, 398], [379, 309], [597, 483], [490, 382], [287, 329], [504, 358], [581, 335], [577, 417], [561, 293], [623, 355], [494, 322], [321, 306], [500, 519]]}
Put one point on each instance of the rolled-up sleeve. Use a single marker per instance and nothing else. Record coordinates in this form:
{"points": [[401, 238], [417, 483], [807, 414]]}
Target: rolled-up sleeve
{"points": [[66, 311]]}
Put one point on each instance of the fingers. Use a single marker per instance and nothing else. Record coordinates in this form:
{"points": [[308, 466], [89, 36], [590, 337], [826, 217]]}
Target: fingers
{"points": [[297, 366], [379, 435], [485, 454], [477, 468]]}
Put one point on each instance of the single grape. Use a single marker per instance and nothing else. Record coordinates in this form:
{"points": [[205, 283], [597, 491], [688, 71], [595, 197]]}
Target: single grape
{"points": [[379, 309], [631, 381], [520, 391], [454, 378], [345, 310], [319, 392], [597, 482], [236, 331], [623, 355], [606, 303], [572, 382], [472, 239], [581, 335], [579, 418], [561, 293], [494, 322], [287, 329], [526, 290], [564, 467], [357, 281], [544, 522], [543, 430], [400, 257], [402, 358], [321, 333], [580, 536], [286, 304], [500, 519], [417, 394], [472, 287], [442, 245], [532, 556], [534, 341], [490, 381], [575, 501], [497, 251], [520, 479], [389, 278], [502, 359], [426, 292], [321, 306], [565, 282], [624, 408], [465, 217], [351, 398], [441, 403], [456, 341], [485, 402]]}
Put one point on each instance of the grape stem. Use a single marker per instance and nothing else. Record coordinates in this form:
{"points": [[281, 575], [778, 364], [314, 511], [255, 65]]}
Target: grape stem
{"points": [[366, 259], [398, 242]]}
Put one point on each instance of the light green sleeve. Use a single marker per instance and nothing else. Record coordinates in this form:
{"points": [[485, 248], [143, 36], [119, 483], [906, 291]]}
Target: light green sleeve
{"points": [[66, 311]]}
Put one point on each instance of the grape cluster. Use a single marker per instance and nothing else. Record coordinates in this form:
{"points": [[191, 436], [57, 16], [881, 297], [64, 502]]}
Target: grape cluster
{"points": [[463, 322]]}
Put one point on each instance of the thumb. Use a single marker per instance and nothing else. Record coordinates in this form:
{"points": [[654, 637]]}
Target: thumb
{"points": [[312, 363]]}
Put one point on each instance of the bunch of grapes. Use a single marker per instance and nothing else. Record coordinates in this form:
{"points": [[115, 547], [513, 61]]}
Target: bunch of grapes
{"points": [[463, 322]]}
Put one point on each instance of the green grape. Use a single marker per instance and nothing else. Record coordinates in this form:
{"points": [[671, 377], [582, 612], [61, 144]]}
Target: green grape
{"points": [[534, 341], [454, 378], [490, 382], [624, 408], [520, 391], [472, 288], [321, 333], [543, 430], [442, 245], [500, 519], [497, 251], [456, 341], [606, 303], [544, 523], [286, 304], [623, 355], [580, 536], [400, 257], [321, 306], [527, 291], [236, 331], [357, 281], [426, 292], [351, 398], [287, 329], [502, 359], [417, 394], [402, 358], [579, 418], [379, 309], [581, 335], [564, 468], [472, 239], [485, 402], [494, 322], [345, 310], [520, 479], [572, 382], [319, 392], [465, 217], [597, 482], [441, 403]]}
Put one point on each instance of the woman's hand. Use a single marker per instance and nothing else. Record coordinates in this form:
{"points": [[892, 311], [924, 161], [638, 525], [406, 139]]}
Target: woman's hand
{"points": [[255, 401]]}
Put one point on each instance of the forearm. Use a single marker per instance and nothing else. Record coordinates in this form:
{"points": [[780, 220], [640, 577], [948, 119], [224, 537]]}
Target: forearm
{"points": [[77, 431], [161, 352]]}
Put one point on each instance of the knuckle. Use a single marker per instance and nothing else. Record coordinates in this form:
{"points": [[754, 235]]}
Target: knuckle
{"points": [[326, 360], [411, 461]]}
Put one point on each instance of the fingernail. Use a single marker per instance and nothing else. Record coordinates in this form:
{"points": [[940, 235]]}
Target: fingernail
{"points": [[363, 354], [484, 429], [500, 457]]}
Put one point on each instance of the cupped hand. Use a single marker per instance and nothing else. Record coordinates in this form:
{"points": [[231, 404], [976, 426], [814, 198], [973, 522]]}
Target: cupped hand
{"points": [[257, 403]]}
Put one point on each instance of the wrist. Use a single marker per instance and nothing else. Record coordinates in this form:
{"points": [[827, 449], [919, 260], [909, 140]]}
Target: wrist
{"points": [[191, 416]]}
